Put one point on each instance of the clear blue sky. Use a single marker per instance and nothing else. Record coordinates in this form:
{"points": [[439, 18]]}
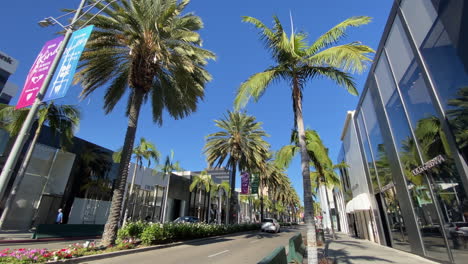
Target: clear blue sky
{"points": [[240, 54]]}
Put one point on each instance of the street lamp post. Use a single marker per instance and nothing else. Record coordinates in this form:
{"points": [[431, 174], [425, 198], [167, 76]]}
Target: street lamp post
{"points": [[25, 129]]}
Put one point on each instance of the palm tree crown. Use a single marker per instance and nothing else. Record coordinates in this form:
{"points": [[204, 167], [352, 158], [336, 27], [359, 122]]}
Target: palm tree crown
{"points": [[239, 143], [149, 46], [145, 150]]}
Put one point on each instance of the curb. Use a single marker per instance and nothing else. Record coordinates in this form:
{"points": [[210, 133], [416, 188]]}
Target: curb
{"points": [[39, 240], [138, 250]]}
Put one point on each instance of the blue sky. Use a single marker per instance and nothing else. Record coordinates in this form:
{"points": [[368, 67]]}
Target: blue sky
{"points": [[239, 55]]}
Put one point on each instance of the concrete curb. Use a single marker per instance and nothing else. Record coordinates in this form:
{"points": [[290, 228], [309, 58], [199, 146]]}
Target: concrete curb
{"points": [[138, 250]]}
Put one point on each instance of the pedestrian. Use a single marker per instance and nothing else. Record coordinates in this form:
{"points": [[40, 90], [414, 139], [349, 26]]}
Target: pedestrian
{"points": [[59, 219]]}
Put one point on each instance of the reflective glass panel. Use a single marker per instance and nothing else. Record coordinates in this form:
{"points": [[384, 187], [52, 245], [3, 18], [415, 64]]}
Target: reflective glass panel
{"points": [[446, 182], [367, 152], [399, 51], [396, 222]]}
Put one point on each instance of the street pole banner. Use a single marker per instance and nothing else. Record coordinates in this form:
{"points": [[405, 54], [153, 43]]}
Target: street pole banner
{"points": [[63, 77], [245, 177], [38, 72], [254, 184]]}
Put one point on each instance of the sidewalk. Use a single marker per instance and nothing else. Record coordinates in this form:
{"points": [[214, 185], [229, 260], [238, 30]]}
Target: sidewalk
{"points": [[350, 250], [15, 235]]}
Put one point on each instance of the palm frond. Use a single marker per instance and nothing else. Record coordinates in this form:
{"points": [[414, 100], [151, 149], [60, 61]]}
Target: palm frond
{"points": [[336, 33]]}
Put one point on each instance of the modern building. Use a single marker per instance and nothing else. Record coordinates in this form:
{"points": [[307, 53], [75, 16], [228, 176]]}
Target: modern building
{"points": [[406, 143], [8, 66]]}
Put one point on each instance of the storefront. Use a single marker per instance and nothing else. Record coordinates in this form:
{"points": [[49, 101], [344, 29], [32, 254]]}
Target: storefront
{"points": [[411, 126]]}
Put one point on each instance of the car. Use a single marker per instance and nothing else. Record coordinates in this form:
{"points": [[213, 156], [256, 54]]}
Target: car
{"points": [[457, 229], [270, 225], [187, 219]]}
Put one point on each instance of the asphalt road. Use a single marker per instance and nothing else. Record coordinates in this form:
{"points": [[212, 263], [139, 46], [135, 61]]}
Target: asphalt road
{"points": [[230, 249]]}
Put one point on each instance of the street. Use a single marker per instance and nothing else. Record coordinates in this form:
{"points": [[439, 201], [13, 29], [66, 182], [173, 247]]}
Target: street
{"points": [[244, 248]]}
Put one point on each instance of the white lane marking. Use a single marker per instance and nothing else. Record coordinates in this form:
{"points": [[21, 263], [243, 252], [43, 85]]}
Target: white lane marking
{"points": [[219, 253], [253, 241]]}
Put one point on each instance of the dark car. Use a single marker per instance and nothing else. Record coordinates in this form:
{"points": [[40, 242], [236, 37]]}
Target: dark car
{"points": [[186, 219]]}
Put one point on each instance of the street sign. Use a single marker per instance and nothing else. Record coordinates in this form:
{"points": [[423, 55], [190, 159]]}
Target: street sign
{"points": [[63, 76], [38, 72]]}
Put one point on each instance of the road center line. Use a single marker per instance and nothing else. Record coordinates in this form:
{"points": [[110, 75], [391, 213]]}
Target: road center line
{"points": [[253, 241], [219, 253]]}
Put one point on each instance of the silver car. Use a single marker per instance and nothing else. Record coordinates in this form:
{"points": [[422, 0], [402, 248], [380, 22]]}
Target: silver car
{"points": [[270, 225]]}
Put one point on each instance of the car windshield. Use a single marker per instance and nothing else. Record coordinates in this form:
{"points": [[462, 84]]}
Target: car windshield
{"points": [[461, 224], [268, 220]]}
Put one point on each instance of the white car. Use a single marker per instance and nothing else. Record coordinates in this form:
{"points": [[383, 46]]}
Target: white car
{"points": [[270, 225], [457, 229]]}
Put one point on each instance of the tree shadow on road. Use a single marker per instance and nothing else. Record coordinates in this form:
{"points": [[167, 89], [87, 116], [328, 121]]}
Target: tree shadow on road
{"points": [[207, 242]]}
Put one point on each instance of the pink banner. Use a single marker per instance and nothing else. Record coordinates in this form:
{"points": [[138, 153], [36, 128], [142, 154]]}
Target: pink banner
{"points": [[38, 72], [245, 178]]}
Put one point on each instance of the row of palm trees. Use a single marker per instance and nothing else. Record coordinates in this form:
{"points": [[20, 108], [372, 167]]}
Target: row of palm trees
{"points": [[150, 49]]}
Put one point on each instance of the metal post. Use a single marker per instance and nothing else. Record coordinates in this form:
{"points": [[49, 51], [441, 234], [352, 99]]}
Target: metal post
{"points": [[25, 129]]}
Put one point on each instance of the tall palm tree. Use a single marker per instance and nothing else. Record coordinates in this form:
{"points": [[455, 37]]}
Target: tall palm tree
{"points": [[240, 143], [145, 150], [297, 62], [166, 169], [149, 50], [200, 182], [222, 188], [63, 121]]}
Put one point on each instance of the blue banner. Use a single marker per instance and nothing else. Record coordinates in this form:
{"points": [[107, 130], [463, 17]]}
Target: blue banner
{"points": [[65, 71]]}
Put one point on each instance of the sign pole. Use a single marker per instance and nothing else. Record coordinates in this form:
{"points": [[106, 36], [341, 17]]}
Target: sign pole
{"points": [[28, 122]]}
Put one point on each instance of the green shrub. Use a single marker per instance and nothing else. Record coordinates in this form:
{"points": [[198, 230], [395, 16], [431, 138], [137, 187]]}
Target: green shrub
{"points": [[131, 230], [152, 233]]}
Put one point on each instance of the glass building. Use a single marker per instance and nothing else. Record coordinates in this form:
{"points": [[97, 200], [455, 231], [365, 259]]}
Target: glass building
{"points": [[408, 138]]}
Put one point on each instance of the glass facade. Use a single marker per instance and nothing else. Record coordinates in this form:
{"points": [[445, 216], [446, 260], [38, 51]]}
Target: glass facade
{"points": [[413, 110]]}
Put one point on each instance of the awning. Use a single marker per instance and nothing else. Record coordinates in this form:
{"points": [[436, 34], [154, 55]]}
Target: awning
{"points": [[359, 203]]}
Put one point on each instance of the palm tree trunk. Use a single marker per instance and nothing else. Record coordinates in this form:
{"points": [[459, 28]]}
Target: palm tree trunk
{"points": [[125, 206], [329, 214], [308, 201], [232, 201], [164, 207], [209, 208], [110, 230], [199, 204], [219, 206], [20, 176], [250, 207]]}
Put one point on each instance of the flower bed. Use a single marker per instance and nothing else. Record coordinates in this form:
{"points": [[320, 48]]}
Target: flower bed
{"points": [[129, 237]]}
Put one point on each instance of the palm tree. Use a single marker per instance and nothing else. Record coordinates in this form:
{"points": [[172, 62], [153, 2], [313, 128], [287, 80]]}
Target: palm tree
{"points": [[297, 62], [240, 143], [63, 121], [200, 182], [150, 50], [166, 169], [222, 188], [325, 174], [328, 179], [145, 150]]}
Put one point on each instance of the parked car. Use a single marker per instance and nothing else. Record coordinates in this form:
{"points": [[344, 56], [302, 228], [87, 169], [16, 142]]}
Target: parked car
{"points": [[270, 225], [457, 229], [187, 219]]}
